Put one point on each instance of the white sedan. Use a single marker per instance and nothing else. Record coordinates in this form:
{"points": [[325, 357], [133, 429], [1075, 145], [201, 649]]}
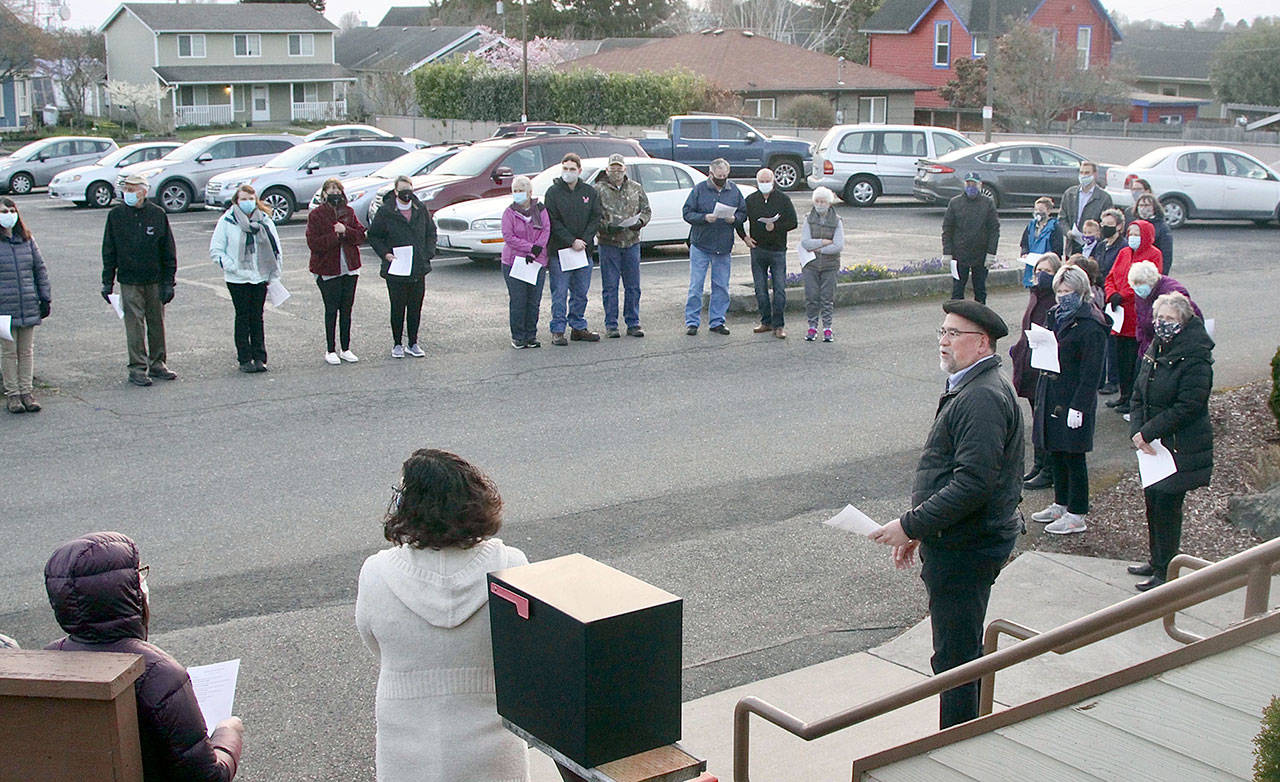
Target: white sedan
{"points": [[1202, 183], [474, 228], [94, 184]]}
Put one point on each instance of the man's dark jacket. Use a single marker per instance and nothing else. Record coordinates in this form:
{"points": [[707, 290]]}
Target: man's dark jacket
{"points": [[969, 479], [777, 204], [575, 214], [970, 229], [137, 246], [96, 595], [1068, 213], [389, 230]]}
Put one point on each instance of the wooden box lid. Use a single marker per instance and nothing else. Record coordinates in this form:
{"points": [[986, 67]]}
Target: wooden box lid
{"points": [[99, 676], [583, 588]]}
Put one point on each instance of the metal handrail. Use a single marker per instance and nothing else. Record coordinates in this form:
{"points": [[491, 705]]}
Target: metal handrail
{"points": [[1176, 566], [1252, 568]]}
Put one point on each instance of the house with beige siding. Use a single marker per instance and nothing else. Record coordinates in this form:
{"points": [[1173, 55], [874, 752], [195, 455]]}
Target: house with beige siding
{"points": [[229, 64]]}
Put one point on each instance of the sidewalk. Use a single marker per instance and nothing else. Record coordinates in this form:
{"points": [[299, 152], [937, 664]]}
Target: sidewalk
{"points": [[1080, 585]]}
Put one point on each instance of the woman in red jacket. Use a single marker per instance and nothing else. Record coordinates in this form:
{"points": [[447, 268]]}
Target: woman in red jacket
{"points": [[1120, 294], [334, 234]]}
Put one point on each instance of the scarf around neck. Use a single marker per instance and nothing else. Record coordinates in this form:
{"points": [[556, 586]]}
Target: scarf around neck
{"points": [[258, 241]]}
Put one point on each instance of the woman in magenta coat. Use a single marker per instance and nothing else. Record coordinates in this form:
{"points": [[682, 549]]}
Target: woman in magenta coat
{"points": [[526, 227]]}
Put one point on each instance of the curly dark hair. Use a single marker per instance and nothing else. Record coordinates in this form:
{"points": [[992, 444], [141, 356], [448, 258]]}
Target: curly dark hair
{"points": [[443, 501]]}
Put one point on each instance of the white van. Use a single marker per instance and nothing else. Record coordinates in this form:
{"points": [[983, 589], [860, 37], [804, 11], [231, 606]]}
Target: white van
{"points": [[860, 163]]}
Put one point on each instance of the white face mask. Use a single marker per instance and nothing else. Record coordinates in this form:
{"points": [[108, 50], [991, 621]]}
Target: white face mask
{"points": [[569, 176], [765, 187], [8, 219], [821, 208]]}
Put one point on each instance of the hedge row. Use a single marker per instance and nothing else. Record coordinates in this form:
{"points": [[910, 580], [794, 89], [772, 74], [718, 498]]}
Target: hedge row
{"points": [[468, 90]]}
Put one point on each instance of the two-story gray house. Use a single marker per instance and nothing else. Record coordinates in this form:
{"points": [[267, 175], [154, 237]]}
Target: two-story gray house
{"points": [[224, 64]]}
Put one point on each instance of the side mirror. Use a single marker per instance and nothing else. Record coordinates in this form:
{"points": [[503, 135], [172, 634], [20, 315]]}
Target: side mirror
{"points": [[752, 137], [312, 167], [502, 173], [204, 157], [42, 156]]}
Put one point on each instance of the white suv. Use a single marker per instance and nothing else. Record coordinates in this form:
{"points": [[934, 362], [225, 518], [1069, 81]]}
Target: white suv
{"points": [[860, 163]]}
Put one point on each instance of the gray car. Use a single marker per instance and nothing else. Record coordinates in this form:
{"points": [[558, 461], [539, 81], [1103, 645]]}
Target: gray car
{"points": [[1014, 173], [177, 180], [35, 164], [361, 190]]}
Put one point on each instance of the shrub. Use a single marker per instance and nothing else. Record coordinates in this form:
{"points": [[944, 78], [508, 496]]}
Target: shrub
{"points": [[1266, 745], [864, 272], [810, 111], [1274, 401]]}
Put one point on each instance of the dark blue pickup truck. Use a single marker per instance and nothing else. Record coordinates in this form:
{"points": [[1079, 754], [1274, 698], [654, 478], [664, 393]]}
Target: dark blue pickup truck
{"points": [[696, 140]]}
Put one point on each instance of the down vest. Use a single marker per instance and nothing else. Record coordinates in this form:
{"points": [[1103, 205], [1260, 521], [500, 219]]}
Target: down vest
{"points": [[1171, 402], [24, 282], [96, 595]]}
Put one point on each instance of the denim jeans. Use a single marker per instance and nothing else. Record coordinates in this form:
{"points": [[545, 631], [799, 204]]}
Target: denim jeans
{"points": [[620, 263], [766, 263], [699, 262], [525, 300], [568, 288]]}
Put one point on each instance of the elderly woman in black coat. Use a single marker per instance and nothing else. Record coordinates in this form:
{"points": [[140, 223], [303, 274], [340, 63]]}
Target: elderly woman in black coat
{"points": [[1171, 404], [1066, 401], [1039, 301]]}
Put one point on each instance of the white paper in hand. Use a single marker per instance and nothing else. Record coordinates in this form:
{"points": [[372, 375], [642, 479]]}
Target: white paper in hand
{"points": [[276, 293], [1117, 317], [524, 271], [853, 520], [571, 259], [955, 270], [114, 300], [1208, 326], [725, 211], [215, 688], [768, 220], [630, 221], [6, 332], [1031, 259], [805, 256], [402, 266], [1154, 468], [1044, 348]]}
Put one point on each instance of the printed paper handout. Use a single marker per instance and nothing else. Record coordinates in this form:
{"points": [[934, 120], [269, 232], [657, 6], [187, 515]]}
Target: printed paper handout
{"points": [[571, 259], [725, 211], [1155, 467], [1044, 348], [805, 255], [853, 520], [402, 266], [1117, 317], [114, 300], [524, 271], [276, 293], [1208, 326], [955, 270], [768, 220], [6, 332], [215, 687], [630, 221]]}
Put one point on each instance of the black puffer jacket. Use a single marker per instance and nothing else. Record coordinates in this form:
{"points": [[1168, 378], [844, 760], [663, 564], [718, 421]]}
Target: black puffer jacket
{"points": [[1171, 402], [389, 230], [969, 479], [96, 594], [1081, 344], [24, 281]]}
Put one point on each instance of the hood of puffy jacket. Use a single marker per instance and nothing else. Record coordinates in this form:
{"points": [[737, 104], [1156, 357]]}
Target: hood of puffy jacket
{"points": [[94, 588], [1192, 342], [445, 587], [1146, 235]]}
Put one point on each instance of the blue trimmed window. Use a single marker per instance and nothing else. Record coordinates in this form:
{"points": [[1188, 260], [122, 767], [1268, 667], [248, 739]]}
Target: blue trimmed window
{"points": [[942, 44]]}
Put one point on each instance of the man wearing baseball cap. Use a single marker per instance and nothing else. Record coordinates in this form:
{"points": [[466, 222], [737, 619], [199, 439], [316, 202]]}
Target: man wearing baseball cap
{"points": [[964, 517], [970, 233], [625, 210], [138, 248]]}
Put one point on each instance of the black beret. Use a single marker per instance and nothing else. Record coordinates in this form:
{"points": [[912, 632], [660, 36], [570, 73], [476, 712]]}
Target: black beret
{"points": [[981, 315]]}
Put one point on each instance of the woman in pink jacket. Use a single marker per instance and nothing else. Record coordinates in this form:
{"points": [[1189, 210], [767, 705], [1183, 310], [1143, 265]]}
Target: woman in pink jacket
{"points": [[526, 227]]}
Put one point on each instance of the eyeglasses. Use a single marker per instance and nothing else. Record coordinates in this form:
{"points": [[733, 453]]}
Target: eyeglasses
{"points": [[954, 333]]}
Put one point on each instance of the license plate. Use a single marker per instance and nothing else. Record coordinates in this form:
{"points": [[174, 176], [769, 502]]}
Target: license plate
{"points": [[443, 241]]}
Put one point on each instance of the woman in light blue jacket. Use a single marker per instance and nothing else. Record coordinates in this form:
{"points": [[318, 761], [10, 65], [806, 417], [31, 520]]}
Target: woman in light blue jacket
{"points": [[246, 246]]}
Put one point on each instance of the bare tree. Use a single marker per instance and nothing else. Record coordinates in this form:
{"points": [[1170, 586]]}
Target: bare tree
{"points": [[349, 21], [389, 93], [76, 64], [20, 45], [140, 100]]}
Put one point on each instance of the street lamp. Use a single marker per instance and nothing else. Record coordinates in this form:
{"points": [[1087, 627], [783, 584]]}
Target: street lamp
{"points": [[524, 60]]}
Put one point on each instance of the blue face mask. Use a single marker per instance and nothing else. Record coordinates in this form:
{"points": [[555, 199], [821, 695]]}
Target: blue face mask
{"points": [[971, 190], [1044, 280], [247, 206], [1068, 305], [131, 199], [1134, 242], [520, 196], [1143, 291]]}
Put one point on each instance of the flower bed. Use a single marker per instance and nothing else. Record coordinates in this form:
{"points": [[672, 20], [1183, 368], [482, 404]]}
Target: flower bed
{"points": [[864, 272]]}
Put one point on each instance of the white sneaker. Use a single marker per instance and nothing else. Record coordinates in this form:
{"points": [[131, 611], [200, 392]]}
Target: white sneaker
{"points": [[415, 351], [1070, 523], [1051, 513], [347, 355], [397, 351], [331, 358]]}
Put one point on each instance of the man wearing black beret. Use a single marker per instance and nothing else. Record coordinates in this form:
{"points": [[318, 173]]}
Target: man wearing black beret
{"points": [[964, 517]]}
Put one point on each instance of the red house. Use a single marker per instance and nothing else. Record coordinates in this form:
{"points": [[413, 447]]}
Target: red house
{"points": [[921, 39]]}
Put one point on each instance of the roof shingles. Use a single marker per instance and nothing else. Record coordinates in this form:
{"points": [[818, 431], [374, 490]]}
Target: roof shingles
{"points": [[237, 17]]}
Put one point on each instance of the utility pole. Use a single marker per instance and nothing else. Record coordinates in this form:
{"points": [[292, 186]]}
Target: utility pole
{"points": [[989, 109], [524, 60]]}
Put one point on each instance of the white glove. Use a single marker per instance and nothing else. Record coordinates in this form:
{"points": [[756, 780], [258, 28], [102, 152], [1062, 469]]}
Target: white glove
{"points": [[1075, 419], [991, 260]]}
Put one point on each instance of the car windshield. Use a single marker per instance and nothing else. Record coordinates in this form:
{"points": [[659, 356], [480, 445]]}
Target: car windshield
{"points": [[470, 161], [1151, 159], [543, 181], [294, 156], [115, 156], [29, 149], [407, 165]]}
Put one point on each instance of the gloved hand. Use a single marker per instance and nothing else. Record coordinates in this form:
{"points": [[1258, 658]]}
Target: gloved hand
{"points": [[166, 292], [1075, 419], [45, 308], [1115, 300], [535, 251], [106, 291], [991, 260]]}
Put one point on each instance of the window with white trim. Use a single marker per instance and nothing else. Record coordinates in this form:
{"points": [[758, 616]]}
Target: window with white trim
{"points": [[248, 45], [1084, 42], [979, 46], [306, 92], [191, 45], [1171, 119], [302, 45], [872, 109], [760, 107], [942, 45]]}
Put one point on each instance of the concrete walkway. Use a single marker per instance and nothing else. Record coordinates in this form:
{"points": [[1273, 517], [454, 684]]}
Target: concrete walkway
{"points": [[1039, 590]]}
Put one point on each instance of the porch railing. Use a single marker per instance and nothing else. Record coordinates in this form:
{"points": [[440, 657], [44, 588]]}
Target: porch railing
{"points": [[203, 115], [319, 110]]}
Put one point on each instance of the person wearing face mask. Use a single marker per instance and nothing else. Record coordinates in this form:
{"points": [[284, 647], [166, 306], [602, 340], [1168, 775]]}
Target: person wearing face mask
{"points": [[1066, 401], [1084, 201], [970, 235], [97, 588], [1113, 241], [624, 210], [526, 229], [1120, 294], [710, 245], [770, 216], [574, 207], [334, 234], [247, 249], [1147, 207], [404, 221], [138, 248], [822, 234], [1040, 300], [1042, 235], [1171, 404], [1091, 238], [1148, 285], [25, 297]]}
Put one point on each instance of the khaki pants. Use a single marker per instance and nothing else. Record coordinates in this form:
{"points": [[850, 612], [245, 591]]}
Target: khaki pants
{"points": [[143, 326], [17, 360]]}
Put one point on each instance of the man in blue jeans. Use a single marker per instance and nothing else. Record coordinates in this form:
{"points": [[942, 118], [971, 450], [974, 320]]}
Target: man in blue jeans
{"points": [[624, 210], [574, 209], [770, 215], [710, 243]]}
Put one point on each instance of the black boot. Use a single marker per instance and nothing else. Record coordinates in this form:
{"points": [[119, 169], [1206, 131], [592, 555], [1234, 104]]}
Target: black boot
{"points": [[1043, 480]]}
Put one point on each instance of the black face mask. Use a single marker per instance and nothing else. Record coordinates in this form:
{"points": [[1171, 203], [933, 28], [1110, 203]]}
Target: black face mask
{"points": [[718, 182], [1044, 281], [336, 199], [405, 196], [1108, 231]]}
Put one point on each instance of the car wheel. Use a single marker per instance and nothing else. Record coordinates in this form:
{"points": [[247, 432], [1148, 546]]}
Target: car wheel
{"points": [[1175, 212], [862, 190], [21, 183], [175, 197], [990, 192], [786, 172], [1262, 222], [280, 202], [100, 195]]}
